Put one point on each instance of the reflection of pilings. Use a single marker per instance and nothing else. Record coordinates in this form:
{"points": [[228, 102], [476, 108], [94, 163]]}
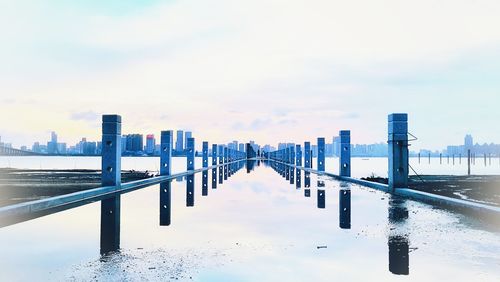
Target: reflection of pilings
{"points": [[111, 176], [165, 169], [321, 154], [398, 243], [214, 162], [321, 198], [307, 193], [190, 178], [307, 179], [399, 261], [345, 208], [298, 162]]}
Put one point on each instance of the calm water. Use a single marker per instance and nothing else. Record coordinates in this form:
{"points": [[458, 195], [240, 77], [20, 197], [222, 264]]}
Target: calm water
{"points": [[361, 167], [254, 227]]}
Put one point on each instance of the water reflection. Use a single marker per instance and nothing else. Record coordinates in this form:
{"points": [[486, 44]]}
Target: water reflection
{"points": [[204, 184], [298, 181], [321, 198], [399, 260], [307, 179], [344, 208], [110, 224], [165, 203], [190, 191], [214, 178]]}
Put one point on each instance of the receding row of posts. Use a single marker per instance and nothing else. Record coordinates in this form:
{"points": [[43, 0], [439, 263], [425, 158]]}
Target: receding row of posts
{"points": [[398, 154], [111, 176]]}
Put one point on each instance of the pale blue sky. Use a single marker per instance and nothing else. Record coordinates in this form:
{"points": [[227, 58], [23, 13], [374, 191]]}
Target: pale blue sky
{"points": [[264, 70]]}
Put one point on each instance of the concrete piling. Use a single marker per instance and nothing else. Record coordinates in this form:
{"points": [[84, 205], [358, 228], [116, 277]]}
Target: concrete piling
{"points": [[398, 151], [321, 154], [111, 176], [166, 142], [345, 153], [190, 153]]}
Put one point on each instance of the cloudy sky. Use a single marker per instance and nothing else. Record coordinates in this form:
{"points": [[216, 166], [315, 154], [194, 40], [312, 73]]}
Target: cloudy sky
{"points": [[268, 70]]}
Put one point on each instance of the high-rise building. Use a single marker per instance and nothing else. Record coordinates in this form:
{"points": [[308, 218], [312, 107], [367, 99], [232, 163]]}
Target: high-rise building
{"points": [[241, 147], [134, 143], [468, 143], [179, 143], [52, 144], [188, 134], [36, 147], [336, 146], [150, 144]]}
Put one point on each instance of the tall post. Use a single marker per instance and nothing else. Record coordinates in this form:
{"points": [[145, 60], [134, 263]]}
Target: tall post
{"points": [[111, 176], [287, 161], [321, 154], [225, 163], [398, 151], [166, 142], [204, 174], [214, 163], [345, 153], [307, 155], [221, 162], [298, 162], [190, 178], [292, 163]]}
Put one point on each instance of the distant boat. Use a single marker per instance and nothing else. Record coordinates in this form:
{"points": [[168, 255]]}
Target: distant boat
{"points": [[365, 159]]}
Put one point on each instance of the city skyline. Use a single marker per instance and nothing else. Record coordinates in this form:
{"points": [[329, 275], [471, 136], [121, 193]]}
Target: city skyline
{"points": [[146, 145], [251, 71]]}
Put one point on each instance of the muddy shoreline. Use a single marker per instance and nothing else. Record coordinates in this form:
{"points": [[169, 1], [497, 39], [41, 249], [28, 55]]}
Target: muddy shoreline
{"points": [[21, 185]]}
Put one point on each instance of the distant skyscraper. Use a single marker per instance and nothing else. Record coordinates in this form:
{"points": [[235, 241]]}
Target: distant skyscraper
{"points": [[179, 143], [241, 147], [188, 134], [134, 143], [336, 146], [150, 144], [52, 145], [468, 142]]}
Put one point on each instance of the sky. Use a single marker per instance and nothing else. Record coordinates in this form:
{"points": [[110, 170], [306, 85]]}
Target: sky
{"points": [[268, 71]]}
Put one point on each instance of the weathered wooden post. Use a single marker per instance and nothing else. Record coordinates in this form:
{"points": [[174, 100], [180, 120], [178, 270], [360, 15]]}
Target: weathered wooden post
{"points": [[204, 174], [398, 151], [166, 141], [321, 154], [111, 176], [345, 209], [345, 153], [214, 163], [298, 163], [190, 154]]}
